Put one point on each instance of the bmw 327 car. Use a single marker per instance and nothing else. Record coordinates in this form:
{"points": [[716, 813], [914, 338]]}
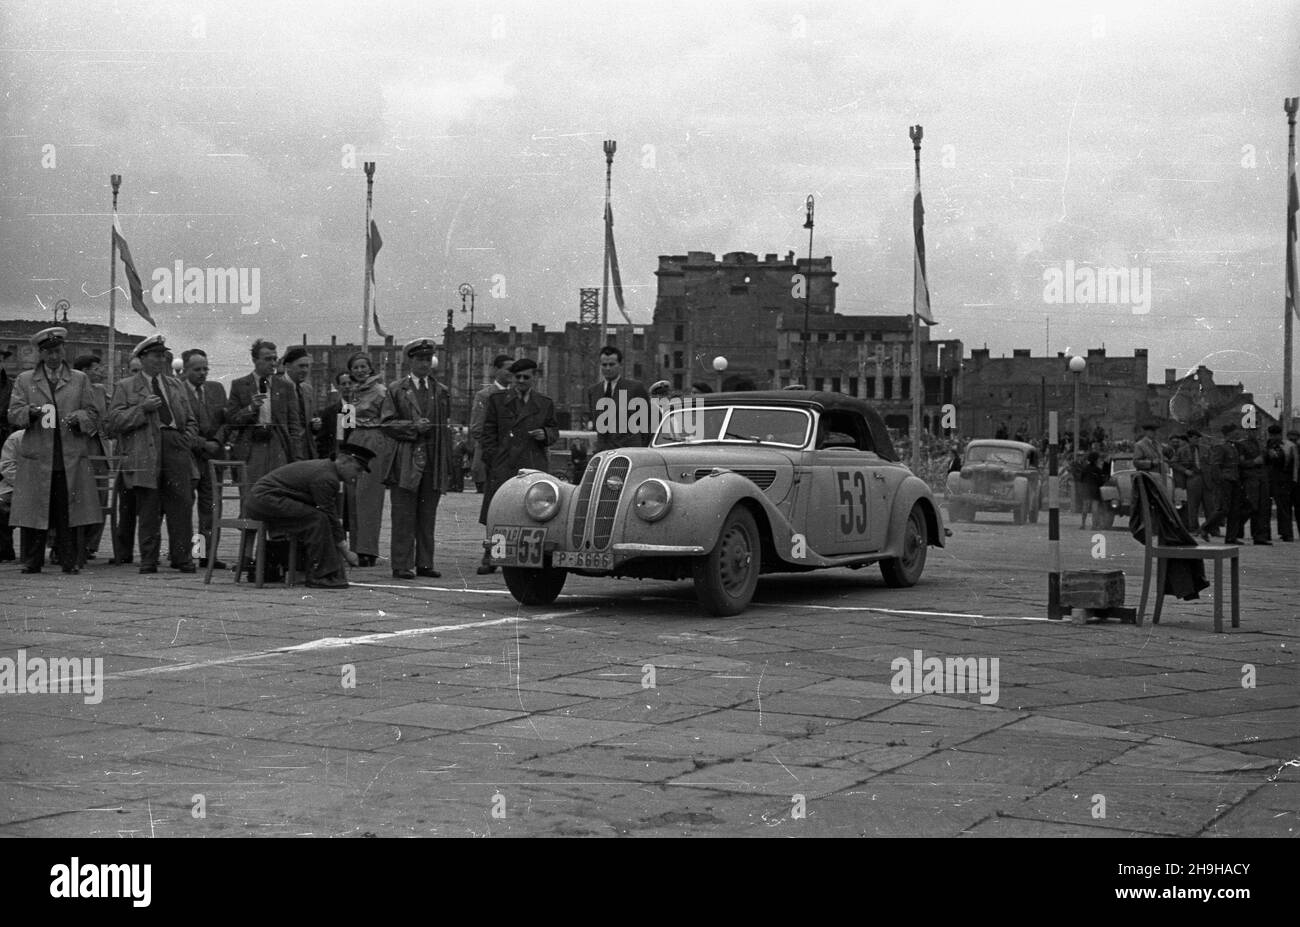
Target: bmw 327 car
{"points": [[733, 485]]}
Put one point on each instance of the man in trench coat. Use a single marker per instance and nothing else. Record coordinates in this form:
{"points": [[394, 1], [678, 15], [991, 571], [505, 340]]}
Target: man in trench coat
{"points": [[156, 430], [55, 486]]}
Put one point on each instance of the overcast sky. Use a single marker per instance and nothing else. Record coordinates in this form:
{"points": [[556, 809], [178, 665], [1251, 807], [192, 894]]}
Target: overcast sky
{"points": [[1135, 135]]}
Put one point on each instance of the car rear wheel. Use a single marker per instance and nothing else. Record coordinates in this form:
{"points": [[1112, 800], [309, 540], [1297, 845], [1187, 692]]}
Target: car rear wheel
{"points": [[725, 578], [906, 568], [535, 587]]}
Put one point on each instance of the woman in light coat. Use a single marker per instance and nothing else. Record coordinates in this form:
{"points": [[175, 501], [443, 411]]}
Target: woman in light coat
{"points": [[366, 499]]}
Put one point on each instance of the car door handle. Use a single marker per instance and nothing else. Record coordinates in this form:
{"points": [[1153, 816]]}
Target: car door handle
{"points": [[878, 476]]}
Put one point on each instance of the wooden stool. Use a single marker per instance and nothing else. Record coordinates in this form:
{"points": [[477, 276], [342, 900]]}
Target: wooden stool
{"points": [[248, 528]]}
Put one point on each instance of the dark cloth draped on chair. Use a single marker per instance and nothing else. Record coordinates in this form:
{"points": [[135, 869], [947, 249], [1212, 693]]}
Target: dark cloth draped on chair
{"points": [[1183, 578]]}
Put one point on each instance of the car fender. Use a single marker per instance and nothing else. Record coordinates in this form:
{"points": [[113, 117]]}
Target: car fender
{"points": [[910, 492], [508, 501], [700, 508]]}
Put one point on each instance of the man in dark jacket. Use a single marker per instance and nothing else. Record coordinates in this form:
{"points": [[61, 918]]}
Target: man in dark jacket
{"points": [[300, 499], [265, 425], [517, 428], [619, 406], [208, 400], [1278, 465]]}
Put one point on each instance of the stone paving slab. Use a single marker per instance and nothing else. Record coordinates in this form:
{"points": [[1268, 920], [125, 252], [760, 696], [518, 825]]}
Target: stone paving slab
{"points": [[236, 693]]}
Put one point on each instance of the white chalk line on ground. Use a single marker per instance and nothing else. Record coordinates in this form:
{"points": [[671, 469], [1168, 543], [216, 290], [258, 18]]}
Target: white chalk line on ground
{"points": [[333, 643], [829, 608]]}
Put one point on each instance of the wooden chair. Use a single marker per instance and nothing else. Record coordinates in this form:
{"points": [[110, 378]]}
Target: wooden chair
{"points": [[1161, 555], [248, 528], [106, 468]]}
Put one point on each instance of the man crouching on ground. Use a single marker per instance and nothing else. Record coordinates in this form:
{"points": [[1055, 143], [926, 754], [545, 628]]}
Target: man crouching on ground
{"points": [[301, 499]]}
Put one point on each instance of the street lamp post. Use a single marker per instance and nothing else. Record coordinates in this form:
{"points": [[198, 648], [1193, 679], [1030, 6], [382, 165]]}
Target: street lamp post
{"points": [[720, 365], [807, 292], [1077, 365], [466, 290]]}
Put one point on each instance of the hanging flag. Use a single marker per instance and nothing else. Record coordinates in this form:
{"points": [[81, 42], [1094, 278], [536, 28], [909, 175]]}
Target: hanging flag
{"points": [[373, 244], [613, 262], [920, 298], [1292, 206], [132, 277]]}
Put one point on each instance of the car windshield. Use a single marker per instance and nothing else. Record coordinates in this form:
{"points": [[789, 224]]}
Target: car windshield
{"points": [[1007, 456], [746, 424]]}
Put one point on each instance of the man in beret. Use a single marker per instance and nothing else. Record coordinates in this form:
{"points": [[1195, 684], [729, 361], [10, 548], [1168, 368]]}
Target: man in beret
{"points": [[297, 370], [517, 429], [156, 431], [1277, 465], [1194, 460], [54, 488], [300, 500], [416, 414], [1225, 481], [265, 426]]}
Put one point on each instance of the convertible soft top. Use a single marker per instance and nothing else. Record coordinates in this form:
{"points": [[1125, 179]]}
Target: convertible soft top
{"points": [[807, 399]]}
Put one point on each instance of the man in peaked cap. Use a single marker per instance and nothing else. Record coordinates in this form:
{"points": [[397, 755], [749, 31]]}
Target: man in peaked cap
{"points": [[415, 414], [54, 487], [156, 430], [301, 500], [1225, 481]]}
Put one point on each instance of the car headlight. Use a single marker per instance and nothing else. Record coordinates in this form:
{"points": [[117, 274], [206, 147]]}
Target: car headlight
{"points": [[542, 500], [652, 500]]}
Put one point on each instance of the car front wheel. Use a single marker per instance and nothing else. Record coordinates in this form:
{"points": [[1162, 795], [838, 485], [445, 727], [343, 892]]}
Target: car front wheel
{"points": [[906, 568], [725, 578], [534, 587]]}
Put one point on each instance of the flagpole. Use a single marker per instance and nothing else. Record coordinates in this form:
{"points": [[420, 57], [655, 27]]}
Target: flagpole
{"points": [[1289, 105], [610, 147], [116, 180], [915, 133], [365, 300]]}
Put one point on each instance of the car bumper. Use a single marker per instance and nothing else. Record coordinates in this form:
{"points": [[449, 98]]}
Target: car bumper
{"points": [[986, 502], [557, 553]]}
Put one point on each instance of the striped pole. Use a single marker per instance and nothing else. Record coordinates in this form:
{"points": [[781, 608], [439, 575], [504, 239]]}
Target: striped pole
{"points": [[1053, 521]]}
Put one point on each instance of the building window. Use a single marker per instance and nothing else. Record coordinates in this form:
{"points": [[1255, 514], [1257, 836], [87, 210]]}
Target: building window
{"points": [[823, 336], [679, 333], [636, 371], [871, 388], [677, 381], [841, 336], [819, 383], [853, 386], [638, 342], [667, 361], [785, 363], [677, 359], [877, 336], [889, 388], [907, 387], [835, 384], [859, 336]]}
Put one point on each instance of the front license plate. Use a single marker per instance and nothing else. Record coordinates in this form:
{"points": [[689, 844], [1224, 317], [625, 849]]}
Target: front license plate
{"points": [[584, 559], [518, 546]]}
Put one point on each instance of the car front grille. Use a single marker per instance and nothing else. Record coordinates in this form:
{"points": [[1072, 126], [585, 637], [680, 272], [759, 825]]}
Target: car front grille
{"points": [[607, 501], [584, 502], [760, 478], [593, 519]]}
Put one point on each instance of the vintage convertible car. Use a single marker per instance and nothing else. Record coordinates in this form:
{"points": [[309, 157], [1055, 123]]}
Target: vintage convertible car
{"points": [[731, 486], [996, 476]]}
